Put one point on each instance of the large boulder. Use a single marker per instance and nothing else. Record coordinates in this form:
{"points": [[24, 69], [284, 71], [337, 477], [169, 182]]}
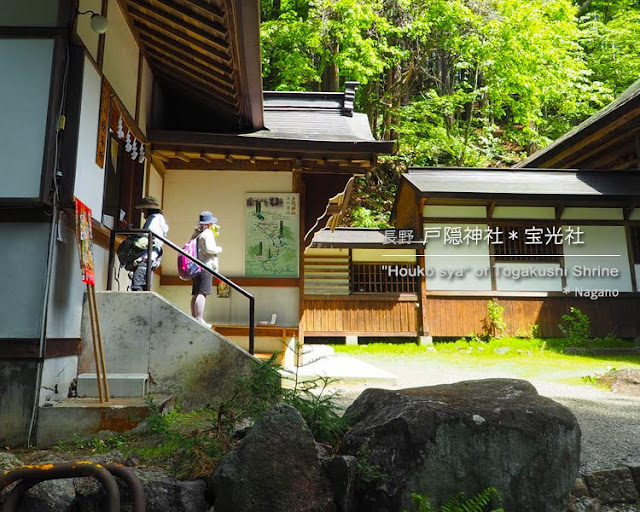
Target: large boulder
{"points": [[275, 468], [464, 437]]}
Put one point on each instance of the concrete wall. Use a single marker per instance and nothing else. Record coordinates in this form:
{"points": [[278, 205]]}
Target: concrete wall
{"points": [[24, 103], [16, 400], [144, 333], [57, 375]]}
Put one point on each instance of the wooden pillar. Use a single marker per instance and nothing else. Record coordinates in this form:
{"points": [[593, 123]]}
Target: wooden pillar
{"points": [[298, 186]]}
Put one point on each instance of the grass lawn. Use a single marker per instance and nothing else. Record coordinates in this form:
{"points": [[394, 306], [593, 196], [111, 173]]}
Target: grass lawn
{"points": [[516, 357]]}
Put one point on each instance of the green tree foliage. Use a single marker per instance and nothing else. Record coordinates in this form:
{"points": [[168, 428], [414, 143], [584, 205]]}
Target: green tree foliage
{"points": [[454, 82]]}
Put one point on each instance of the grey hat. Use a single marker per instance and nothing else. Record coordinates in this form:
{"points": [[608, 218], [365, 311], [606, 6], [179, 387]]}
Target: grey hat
{"points": [[149, 202], [207, 218]]}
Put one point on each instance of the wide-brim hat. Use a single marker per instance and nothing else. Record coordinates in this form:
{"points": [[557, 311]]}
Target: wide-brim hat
{"points": [[207, 218], [148, 202]]}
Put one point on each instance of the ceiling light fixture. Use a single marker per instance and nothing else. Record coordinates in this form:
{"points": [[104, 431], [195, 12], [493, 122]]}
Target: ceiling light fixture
{"points": [[99, 23]]}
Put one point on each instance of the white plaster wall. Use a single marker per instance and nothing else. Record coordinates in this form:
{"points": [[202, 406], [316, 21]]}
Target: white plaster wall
{"points": [[89, 186], [24, 102], [468, 212], [524, 212], [599, 241], [57, 374], [506, 277], [67, 291], [442, 262], [155, 185], [121, 54], [391, 255], [22, 281], [635, 214], [637, 267], [592, 214], [145, 96], [235, 309], [187, 193], [83, 26]]}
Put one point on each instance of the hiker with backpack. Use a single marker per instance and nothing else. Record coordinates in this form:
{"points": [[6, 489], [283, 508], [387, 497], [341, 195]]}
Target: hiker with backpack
{"points": [[207, 252], [156, 223]]}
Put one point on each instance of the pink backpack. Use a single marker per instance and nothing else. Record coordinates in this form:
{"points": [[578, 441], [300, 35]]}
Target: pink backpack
{"points": [[187, 269]]}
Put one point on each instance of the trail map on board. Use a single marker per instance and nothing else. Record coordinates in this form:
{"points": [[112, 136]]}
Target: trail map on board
{"points": [[271, 235]]}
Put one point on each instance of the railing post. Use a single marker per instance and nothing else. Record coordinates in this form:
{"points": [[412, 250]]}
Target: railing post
{"points": [[252, 324], [147, 285], [112, 254]]}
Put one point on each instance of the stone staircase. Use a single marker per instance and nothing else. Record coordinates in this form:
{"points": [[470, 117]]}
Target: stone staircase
{"points": [[152, 350]]}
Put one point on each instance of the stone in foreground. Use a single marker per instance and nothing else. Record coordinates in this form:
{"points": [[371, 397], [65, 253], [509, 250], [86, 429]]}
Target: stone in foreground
{"points": [[464, 437], [275, 468]]}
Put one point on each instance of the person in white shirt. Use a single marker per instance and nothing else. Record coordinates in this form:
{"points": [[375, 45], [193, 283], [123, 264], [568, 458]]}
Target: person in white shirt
{"points": [[156, 223], [208, 250]]}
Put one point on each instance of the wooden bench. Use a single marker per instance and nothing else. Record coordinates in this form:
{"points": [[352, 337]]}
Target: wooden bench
{"points": [[261, 331]]}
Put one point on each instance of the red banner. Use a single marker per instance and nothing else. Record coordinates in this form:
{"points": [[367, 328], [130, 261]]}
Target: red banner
{"points": [[84, 237]]}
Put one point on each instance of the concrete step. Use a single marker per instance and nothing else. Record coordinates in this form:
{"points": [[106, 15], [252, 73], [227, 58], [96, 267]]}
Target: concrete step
{"points": [[86, 417], [120, 385]]}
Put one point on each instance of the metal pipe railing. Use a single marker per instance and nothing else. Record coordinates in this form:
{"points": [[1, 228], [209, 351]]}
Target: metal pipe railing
{"points": [[151, 235], [30, 475]]}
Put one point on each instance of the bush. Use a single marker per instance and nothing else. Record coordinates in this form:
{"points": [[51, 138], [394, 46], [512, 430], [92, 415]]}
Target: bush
{"points": [[494, 324], [576, 327]]}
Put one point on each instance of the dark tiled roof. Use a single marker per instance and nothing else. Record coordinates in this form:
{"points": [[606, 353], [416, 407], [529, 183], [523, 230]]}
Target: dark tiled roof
{"points": [[314, 116], [500, 183]]}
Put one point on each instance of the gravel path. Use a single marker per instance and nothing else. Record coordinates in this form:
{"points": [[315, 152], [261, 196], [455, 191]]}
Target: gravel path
{"points": [[610, 423]]}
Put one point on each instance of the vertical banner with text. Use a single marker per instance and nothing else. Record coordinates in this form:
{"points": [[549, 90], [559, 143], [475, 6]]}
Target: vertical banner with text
{"points": [[84, 237]]}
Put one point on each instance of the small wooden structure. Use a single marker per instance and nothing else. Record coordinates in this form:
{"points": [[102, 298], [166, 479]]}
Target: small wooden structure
{"points": [[566, 238]]}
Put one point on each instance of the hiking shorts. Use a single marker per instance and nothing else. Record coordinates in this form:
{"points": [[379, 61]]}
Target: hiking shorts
{"points": [[202, 283]]}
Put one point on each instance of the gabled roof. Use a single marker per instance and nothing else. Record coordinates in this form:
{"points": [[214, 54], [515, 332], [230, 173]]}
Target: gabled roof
{"points": [[316, 131], [208, 49], [524, 183], [607, 140]]}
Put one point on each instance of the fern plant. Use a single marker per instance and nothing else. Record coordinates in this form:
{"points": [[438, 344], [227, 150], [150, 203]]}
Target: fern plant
{"points": [[458, 503]]}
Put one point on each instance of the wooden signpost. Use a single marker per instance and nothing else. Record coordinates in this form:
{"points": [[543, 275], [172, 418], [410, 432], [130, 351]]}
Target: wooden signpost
{"points": [[84, 239]]}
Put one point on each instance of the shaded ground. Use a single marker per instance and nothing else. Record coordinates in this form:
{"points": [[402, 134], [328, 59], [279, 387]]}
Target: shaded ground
{"points": [[610, 423]]}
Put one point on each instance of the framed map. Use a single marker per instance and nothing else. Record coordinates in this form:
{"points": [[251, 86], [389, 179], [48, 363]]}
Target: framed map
{"points": [[272, 235]]}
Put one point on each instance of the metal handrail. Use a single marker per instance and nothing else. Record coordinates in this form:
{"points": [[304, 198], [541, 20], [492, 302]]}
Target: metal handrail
{"points": [[151, 235]]}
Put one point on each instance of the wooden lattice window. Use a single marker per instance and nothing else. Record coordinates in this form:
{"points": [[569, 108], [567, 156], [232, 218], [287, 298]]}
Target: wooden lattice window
{"points": [[521, 247], [383, 278]]}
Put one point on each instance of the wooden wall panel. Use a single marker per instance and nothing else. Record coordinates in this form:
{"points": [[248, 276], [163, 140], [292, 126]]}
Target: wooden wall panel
{"points": [[362, 316], [457, 316], [460, 316]]}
